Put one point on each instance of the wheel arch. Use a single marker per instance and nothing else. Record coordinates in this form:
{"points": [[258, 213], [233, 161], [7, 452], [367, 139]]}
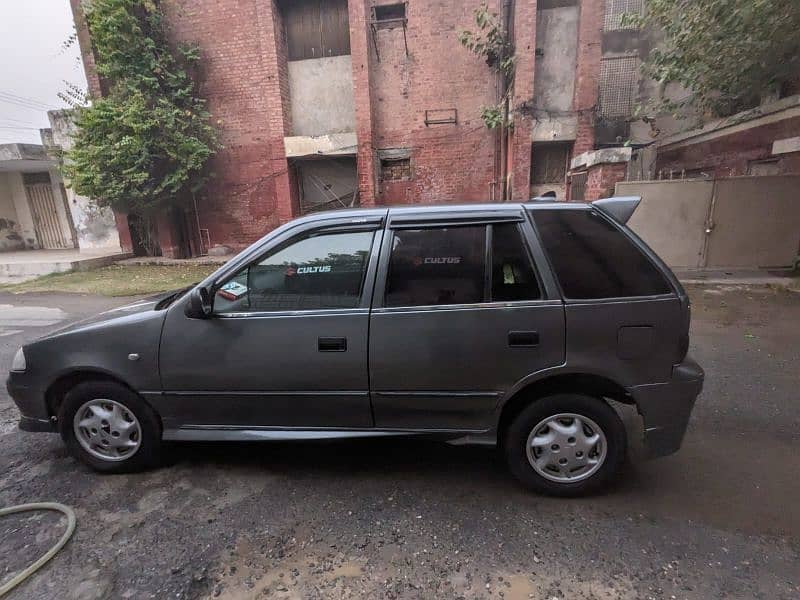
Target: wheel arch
{"points": [[60, 387], [589, 384]]}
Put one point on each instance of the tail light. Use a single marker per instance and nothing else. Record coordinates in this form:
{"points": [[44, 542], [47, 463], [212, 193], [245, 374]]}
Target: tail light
{"points": [[683, 338]]}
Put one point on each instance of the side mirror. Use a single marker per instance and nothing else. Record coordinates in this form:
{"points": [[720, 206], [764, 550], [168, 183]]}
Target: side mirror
{"points": [[200, 305]]}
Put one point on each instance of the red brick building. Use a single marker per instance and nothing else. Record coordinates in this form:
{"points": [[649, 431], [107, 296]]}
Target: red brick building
{"points": [[328, 103]]}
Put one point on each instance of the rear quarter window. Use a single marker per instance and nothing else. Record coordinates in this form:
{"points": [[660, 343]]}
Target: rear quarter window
{"points": [[593, 259]]}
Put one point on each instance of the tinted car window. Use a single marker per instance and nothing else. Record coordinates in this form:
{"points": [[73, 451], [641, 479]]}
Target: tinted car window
{"points": [[513, 277], [594, 259], [325, 271], [437, 266]]}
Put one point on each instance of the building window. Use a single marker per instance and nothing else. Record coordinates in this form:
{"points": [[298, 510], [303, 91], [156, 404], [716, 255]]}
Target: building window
{"points": [[34, 178], [616, 8], [619, 80], [768, 166], [386, 14], [395, 169], [549, 163], [316, 28]]}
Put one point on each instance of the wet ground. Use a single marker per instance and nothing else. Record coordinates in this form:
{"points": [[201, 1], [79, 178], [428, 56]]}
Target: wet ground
{"points": [[392, 519]]}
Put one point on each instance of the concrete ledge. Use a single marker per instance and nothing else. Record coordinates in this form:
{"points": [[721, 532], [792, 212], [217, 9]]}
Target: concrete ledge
{"points": [[781, 279], [334, 144], [599, 157], [29, 264]]}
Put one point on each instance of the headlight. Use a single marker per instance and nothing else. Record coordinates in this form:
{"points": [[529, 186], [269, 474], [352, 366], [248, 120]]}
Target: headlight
{"points": [[18, 364]]}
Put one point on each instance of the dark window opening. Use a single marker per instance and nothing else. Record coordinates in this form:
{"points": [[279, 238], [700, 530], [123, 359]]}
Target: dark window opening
{"points": [[395, 169], [593, 259], [316, 28], [34, 178], [549, 163], [383, 13]]}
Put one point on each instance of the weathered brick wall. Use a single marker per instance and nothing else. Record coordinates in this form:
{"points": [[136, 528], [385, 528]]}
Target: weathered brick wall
{"points": [[590, 31], [450, 162], [244, 79], [602, 179], [525, 50], [729, 155]]}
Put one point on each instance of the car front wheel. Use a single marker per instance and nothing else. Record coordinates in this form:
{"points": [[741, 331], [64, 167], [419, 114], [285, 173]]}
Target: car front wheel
{"points": [[109, 427], [565, 445]]}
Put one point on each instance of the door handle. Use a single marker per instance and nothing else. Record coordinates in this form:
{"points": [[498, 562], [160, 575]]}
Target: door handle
{"points": [[523, 339], [332, 344]]}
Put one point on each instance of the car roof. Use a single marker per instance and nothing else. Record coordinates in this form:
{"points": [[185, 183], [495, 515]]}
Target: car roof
{"points": [[416, 209]]}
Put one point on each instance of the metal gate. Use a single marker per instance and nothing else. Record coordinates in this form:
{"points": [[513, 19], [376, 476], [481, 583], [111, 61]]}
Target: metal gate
{"points": [[46, 221], [577, 192]]}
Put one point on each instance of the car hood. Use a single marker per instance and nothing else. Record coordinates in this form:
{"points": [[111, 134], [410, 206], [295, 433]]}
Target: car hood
{"points": [[142, 305]]}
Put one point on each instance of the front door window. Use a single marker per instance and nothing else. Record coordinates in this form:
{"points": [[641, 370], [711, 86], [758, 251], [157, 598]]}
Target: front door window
{"points": [[318, 272]]}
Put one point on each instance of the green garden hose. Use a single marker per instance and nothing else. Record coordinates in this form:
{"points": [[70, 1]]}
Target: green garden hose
{"points": [[23, 575]]}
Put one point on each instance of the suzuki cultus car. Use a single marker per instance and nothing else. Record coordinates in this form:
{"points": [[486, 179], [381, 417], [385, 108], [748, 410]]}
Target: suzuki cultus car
{"points": [[514, 324]]}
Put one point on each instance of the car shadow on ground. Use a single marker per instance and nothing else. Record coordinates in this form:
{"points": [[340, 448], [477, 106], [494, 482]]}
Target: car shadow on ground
{"points": [[432, 463]]}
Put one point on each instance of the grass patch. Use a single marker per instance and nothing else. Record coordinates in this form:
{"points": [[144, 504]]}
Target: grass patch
{"points": [[116, 280]]}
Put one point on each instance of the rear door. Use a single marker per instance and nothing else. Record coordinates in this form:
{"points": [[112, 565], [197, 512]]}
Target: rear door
{"points": [[624, 317], [460, 314]]}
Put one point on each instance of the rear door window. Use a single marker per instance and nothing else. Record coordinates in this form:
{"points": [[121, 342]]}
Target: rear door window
{"points": [[593, 259], [437, 265], [513, 277]]}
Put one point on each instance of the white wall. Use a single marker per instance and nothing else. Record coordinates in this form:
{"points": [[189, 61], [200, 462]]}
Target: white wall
{"points": [[16, 189], [95, 226], [10, 233], [321, 95]]}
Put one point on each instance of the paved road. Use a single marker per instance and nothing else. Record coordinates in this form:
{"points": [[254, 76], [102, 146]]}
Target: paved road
{"points": [[721, 519]]}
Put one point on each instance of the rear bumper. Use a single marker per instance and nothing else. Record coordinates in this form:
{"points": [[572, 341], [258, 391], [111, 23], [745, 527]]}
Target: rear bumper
{"points": [[31, 404], [666, 407]]}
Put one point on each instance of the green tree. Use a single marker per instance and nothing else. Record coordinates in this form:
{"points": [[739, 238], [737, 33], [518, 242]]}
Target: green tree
{"points": [[145, 144], [726, 52], [491, 42]]}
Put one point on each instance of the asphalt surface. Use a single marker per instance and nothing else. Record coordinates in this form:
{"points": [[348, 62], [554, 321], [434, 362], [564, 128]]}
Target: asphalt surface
{"points": [[412, 519]]}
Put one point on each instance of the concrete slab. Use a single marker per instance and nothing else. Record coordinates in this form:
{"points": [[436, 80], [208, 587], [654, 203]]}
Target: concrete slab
{"points": [[24, 265], [782, 279], [161, 260]]}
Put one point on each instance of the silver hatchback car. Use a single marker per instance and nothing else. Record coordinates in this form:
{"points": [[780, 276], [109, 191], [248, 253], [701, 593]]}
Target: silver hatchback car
{"points": [[513, 324]]}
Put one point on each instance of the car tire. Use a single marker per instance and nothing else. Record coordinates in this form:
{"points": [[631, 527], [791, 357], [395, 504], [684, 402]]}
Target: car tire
{"points": [[110, 428], [550, 446]]}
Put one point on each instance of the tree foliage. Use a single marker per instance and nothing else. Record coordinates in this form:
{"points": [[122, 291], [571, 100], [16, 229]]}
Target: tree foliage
{"points": [[727, 53], [491, 42], [145, 144]]}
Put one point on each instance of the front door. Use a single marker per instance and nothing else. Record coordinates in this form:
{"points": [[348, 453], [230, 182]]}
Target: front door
{"points": [[286, 345], [460, 315]]}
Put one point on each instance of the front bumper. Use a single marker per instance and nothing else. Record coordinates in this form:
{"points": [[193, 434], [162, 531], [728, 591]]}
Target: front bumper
{"points": [[31, 404], [666, 407]]}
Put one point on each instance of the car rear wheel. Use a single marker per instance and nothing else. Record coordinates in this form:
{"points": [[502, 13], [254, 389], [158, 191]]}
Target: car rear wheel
{"points": [[565, 445], [109, 427]]}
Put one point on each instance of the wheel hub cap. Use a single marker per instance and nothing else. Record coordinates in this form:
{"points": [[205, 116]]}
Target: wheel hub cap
{"points": [[107, 430], [566, 448]]}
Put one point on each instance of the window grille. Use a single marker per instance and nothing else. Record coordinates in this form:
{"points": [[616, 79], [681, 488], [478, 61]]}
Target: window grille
{"points": [[619, 79], [616, 8]]}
